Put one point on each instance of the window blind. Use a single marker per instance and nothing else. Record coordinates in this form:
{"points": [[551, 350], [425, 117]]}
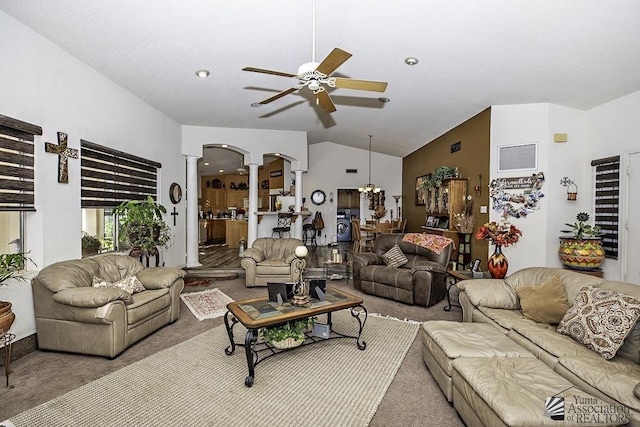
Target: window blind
{"points": [[17, 164], [607, 195], [110, 177]]}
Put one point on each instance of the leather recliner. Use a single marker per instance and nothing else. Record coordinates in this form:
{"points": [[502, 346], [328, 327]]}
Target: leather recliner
{"points": [[272, 260], [421, 281], [74, 316]]}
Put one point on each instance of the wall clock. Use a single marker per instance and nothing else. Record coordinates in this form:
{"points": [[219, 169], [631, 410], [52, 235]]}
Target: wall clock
{"points": [[318, 197], [175, 193]]}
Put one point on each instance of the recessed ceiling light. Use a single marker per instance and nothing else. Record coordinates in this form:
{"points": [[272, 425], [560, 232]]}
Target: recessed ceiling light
{"points": [[206, 163], [411, 60], [256, 104], [276, 154], [203, 74], [221, 170], [224, 146], [383, 99]]}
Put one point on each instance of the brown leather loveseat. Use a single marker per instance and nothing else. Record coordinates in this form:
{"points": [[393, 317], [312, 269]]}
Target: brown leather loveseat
{"points": [[73, 315], [420, 281]]}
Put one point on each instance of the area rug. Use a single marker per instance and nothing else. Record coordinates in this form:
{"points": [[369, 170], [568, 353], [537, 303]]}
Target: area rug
{"points": [[195, 383], [207, 304], [197, 282]]}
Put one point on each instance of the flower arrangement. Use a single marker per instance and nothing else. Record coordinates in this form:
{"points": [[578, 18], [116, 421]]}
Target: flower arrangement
{"points": [[580, 229], [502, 234], [380, 212]]}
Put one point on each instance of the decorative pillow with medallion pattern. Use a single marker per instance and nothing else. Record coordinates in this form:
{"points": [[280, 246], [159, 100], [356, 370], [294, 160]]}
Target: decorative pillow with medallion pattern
{"points": [[600, 319]]}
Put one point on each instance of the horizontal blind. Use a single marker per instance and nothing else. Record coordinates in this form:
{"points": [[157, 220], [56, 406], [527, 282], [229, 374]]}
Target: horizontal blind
{"points": [[110, 177], [17, 164], [607, 201]]}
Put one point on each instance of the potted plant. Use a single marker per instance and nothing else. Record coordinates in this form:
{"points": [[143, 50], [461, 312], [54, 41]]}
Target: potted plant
{"points": [[142, 226], [90, 244], [11, 265], [583, 250], [440, 174], [287, 335]]}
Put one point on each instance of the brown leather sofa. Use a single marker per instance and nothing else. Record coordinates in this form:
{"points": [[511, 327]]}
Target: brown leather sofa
{"points": [[421, 281], [74, 316], [272, 260]]}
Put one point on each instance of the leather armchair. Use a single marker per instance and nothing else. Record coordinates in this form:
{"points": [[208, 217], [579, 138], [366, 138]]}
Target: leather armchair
{"points": [[74, 316], [272, 260], [421, 281]]}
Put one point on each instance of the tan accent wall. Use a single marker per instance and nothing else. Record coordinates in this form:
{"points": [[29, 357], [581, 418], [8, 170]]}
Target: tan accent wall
{"points": [[472, 160]]}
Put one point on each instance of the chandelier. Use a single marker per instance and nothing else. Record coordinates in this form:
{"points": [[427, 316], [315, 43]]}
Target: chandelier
{"points": [[369, 187]]}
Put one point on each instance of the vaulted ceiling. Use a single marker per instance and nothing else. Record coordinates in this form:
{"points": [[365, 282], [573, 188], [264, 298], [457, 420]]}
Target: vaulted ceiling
{"points": [[471, 53]]}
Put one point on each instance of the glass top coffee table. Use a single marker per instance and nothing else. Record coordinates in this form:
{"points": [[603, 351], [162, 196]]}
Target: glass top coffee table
{"points": [[258, 313]]}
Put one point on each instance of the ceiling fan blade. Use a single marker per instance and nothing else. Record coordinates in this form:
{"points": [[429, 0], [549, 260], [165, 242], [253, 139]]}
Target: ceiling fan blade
{"points": [[265, 71], [336, 58], [361, 84], [325, 102], [278, 96]]}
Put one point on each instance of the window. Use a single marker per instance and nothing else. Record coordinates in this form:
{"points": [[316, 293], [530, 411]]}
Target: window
{"points": [[607, 193], [16, 181], [108, 178]]}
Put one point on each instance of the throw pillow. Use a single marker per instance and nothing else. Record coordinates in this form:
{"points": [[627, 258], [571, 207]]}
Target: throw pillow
{"points": [[130, 284], [394, 257], [600, 319], [544, 303]]}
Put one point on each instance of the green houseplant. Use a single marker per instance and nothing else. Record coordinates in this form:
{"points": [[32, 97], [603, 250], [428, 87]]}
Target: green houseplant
{"points": [[142, 226], [441, 173], [287, 335], [583, 250], [90, 244], [11, 266]]}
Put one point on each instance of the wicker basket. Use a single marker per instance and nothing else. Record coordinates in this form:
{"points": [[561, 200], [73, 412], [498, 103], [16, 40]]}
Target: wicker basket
{"points": [[287, 343]]}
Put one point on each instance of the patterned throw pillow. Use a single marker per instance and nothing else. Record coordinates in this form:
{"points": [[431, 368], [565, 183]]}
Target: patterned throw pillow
{"points": [[394, 257], [130, 284], [600, 319]]}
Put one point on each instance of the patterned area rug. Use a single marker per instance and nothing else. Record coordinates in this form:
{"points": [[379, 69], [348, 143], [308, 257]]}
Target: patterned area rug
{"points": [[195, 383], [207, 304], [197, 282]]}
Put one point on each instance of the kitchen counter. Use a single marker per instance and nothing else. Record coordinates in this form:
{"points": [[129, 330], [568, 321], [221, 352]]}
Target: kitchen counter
{"points": [[261, 214]]}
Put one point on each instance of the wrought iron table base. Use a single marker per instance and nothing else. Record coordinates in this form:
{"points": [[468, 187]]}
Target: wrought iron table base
{"points": [[254, 349]]}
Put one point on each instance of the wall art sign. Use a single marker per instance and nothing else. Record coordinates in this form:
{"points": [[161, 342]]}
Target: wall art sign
{"points": [[517, 205], [64, 153]]}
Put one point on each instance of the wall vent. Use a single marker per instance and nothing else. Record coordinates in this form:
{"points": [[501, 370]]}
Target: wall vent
{"points": [[518, 157], [352, 170]]}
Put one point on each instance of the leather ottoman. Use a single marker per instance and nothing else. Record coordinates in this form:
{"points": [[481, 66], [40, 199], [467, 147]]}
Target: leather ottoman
{"points": [[445, 341], [513, 391]]}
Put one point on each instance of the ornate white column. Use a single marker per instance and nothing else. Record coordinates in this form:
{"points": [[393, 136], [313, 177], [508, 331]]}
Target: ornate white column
{"points": [[192, 212], [297, 230], [253, 204]]}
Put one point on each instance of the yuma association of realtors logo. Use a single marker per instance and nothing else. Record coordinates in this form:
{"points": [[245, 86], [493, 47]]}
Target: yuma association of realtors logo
{"points": [[584, 410]]}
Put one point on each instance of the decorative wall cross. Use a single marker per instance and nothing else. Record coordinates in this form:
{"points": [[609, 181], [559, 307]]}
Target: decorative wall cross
{"points": [[174, 214], [63, 153]]}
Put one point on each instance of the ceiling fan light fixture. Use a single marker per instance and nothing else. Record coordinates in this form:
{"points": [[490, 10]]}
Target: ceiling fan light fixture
{"points": [[411, 60], [203, 74], [314, 85]]}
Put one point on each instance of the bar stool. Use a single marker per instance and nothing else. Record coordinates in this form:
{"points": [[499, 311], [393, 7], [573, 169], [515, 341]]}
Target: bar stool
{"points": [[284, 224], [309, 235]]}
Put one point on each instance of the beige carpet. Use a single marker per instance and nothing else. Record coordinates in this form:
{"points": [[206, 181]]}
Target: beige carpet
{"points": [[195, 384]]}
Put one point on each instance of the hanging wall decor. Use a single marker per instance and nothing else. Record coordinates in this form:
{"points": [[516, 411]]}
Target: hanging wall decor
{"points": [[517, 205], [63, 153]]}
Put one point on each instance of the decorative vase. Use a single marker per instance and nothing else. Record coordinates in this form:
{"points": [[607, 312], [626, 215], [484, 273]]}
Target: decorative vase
{"points": [[585, 253], [6, 316], [498, 264]]}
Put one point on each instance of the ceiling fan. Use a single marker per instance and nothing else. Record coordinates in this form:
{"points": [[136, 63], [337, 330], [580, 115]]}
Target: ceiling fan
{"points": [[317, 76]]}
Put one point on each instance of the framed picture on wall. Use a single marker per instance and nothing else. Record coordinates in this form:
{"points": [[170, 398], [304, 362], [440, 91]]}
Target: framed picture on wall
{"points": [[421, 193]]}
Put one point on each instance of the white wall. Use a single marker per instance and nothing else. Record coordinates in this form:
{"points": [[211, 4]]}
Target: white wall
{"points": [[44, 85], [604, 131], [327, 165]]}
